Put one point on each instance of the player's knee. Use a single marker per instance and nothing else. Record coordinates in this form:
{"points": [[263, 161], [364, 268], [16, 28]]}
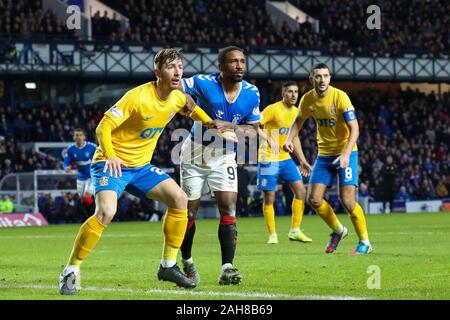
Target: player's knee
{"points": [[314, 201], [179, 200], [105, 212], [300, 193], [269, 198], [348, 203]]}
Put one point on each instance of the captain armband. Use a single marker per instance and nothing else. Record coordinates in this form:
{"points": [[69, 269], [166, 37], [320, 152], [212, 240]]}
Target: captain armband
{"points": [[349, 114]]}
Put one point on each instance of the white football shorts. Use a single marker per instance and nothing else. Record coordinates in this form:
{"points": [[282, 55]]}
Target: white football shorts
{"points": [[84, 186], [206, 169]]}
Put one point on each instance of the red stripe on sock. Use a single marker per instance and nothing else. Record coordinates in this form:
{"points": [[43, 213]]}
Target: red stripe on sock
{"points": [[227, 220], [190, 223]]}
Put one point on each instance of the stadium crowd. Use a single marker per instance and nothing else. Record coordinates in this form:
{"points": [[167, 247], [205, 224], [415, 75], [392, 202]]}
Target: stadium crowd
{"points": [[26, 19], [420, 26], [248, 24]]}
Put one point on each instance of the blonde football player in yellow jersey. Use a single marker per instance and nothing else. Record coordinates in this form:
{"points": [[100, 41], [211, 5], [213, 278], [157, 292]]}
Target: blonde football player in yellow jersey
{"points": [[274, 162], [337, 133], [127, 135]]}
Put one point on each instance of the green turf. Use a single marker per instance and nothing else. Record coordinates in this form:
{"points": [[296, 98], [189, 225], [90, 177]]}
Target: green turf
{"points": [[411, 250]]}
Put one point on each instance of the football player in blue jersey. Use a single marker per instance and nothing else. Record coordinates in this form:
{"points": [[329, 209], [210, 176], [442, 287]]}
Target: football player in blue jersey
{"points": [[81, 153], [233, 104]]}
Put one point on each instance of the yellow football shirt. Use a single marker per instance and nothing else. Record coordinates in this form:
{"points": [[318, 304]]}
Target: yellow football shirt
{"points": [[140, 116], [277, 120], [328, 113]]}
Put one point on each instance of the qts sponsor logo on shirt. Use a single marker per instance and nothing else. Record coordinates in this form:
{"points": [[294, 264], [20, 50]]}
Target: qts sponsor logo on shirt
{"points": [[150, 132]]}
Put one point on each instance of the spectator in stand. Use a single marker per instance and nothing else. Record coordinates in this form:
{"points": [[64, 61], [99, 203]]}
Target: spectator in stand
{"points": [[441, 190], [403, 195], [388, 176]]}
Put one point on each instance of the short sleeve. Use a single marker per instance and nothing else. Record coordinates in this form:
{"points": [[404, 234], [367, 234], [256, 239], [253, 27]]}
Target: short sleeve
{"points": [[344, 103], [266, 115], [303, 111], [192, 85], [345, 107], [253, 116]]}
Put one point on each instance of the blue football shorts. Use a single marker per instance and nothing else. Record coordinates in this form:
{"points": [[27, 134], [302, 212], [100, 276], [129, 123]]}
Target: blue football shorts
{"points": [[324, 171], [137, 181], [268, 173]]}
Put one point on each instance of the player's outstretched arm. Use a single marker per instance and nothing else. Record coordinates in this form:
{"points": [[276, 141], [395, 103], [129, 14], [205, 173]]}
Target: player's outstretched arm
{"points": [[189, 107], [200, 115], [103, 132]]}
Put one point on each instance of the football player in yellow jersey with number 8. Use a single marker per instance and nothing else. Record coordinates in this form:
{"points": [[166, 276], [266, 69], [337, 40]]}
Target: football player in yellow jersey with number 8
{"points": [[127, 135], [337, 132]]}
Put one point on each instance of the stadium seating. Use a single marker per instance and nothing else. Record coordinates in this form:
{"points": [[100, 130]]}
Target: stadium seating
{"points": [[246, 23]]}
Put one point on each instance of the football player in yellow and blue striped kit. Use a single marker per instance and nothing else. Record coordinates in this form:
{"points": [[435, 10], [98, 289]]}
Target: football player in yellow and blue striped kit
{"points": [[128, 135], [337, 133], [274, 162]]}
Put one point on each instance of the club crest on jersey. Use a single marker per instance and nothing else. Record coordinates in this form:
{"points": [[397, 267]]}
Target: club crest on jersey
{"points": [[264, 182], [236, 118], [332, 110], [104, 181], [219, 114], [86, 154]]}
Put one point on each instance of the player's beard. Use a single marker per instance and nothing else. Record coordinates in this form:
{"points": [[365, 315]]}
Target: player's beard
{"points": [[321, 92], [233, 78], [238, 78]]}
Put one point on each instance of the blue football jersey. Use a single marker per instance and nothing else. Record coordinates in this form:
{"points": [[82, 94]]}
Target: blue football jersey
{"points": [[212, 99], [82, 158]]}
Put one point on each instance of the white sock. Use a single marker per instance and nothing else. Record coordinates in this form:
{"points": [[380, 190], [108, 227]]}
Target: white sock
{"points": [[295, 230], [366, 242], [340, 230], [273, 234], [227, 266], [168, 263], [187, 261], [72, 267]]}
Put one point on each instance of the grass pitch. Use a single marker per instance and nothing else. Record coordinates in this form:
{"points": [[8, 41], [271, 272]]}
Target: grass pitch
{"points": [[411, 253]]}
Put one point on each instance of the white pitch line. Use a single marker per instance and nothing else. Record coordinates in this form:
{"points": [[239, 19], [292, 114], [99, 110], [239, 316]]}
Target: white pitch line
{"points": [[198, 293]]}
